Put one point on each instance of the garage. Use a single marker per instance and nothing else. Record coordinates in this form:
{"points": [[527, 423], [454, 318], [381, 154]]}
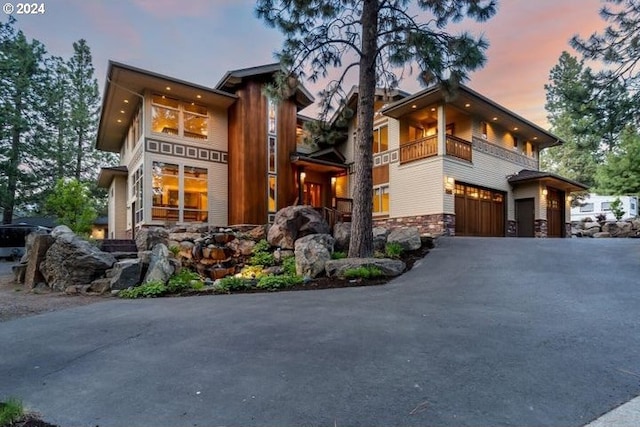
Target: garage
{"points": [[479, 211]]}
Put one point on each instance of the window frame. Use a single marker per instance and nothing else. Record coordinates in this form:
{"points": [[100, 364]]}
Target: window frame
{"points": [[182, 112]]}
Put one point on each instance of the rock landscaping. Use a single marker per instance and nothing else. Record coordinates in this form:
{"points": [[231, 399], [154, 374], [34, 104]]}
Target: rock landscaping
{"points": [[600, 229], [297, 251]]}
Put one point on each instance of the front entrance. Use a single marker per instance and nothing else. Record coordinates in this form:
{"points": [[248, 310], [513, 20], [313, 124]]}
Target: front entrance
{"points": [[312, 194], [479, 211], [525, 215], [555, 213]]}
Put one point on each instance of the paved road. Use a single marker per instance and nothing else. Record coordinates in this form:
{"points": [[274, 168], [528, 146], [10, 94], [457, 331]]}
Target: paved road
{"points": [[482, 332]]}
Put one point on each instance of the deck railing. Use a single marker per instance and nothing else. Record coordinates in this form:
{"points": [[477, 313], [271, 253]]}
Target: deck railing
{"points": [[428, 147]]}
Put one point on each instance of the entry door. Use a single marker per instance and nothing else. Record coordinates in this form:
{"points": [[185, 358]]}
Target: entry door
{"points": [[313, 194], [525, 213], [555, 213]]}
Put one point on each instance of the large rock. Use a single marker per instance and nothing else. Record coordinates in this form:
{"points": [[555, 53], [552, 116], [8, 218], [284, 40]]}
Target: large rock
{"points": [[60, 230], [125, 274], [389, 267], [28, 243], [39, 244], [241, 247], [380, 238], [617, 229], [408, 238], [161, 267], [588, 225], [147, 238], [73, 261], [294, 222], [342, 235], [590, 232], [312, 252], [601, 235]]}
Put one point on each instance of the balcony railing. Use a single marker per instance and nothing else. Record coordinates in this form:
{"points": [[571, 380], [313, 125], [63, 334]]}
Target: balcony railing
{"points": [[419, 149], [428, 147]]}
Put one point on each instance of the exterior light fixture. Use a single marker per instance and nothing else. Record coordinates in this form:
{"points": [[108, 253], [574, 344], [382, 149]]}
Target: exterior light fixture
{"points": [[495, 119], [545, 191], [449, 183], [467, 105], [414, 106], [515, 128], [126, 101], [570, 198]]}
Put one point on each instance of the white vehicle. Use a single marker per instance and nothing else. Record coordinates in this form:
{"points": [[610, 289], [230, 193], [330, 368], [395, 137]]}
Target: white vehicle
{"points": [[595, 205]]}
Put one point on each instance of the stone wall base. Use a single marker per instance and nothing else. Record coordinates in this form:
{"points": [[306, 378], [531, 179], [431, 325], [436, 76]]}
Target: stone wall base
{"points": [[434, 224], [567, 230], [540, 228], [512, 228]]}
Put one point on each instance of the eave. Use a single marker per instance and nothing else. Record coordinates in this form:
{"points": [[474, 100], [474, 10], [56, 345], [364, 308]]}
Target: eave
{"points": [[548, 179], [106, 175]]}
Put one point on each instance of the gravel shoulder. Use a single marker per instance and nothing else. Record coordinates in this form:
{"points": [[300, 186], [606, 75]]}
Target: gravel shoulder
{"points": [[16, 301]]}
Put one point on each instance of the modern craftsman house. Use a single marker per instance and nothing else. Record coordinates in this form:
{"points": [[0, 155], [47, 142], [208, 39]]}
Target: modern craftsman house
{"points": [[228, 155]]}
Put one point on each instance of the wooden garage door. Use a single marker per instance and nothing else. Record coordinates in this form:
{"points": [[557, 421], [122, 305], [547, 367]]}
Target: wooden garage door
{"points": [[479, 211]]}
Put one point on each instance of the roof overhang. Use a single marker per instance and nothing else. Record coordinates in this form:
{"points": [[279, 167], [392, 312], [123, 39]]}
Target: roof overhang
{"points": [[548, 179], [124, 91], [318, 165], [107, 175], [473, 103]]}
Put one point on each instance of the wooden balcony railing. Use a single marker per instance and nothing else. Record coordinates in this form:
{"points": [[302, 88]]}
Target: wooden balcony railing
{"points": [[458, 147], [428, 147], [419, 149]]}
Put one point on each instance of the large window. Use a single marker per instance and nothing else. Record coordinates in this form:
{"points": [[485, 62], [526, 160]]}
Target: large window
{"points": [[381, 199], [272, 157], [137, 191], [179, 193], [380, 139], [174, 117]]}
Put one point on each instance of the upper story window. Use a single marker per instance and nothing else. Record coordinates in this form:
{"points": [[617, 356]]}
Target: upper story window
{"points": [[380, 139], [271, 117], [483, 129], [515, 142], [175, 117]]}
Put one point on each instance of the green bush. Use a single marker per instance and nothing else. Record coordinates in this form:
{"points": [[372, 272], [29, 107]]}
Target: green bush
{"points": [[232, 283], [284, 281], [616, 209], [363, 272], [393, 250], [289, 265], [184, 280], [10, 412], [338, 255], [252, 272], [149, 290], [262, 255]]}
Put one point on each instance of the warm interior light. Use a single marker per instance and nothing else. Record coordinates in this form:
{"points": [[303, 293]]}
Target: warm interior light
{"points": [[433, 109], [535, 138], [333, 180], [119, 121], [303, 175]]}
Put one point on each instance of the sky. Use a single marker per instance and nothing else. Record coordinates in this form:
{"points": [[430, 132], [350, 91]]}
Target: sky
{"points": [[199, 40]]}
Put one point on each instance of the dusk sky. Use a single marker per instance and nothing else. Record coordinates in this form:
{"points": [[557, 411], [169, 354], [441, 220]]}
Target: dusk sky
{"points": [[199, 40]]}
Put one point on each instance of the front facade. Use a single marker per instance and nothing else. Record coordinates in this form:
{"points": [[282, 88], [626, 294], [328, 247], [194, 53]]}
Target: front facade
{"points": [[229, 155]]}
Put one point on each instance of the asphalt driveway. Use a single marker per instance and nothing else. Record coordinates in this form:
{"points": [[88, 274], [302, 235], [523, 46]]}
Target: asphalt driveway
{"points": [[481, 332]]}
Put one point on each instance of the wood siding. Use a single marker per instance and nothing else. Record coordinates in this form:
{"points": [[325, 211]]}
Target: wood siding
{"points": [[380, 175]]}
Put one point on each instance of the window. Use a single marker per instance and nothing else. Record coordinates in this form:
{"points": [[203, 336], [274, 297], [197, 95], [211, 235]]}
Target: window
{"points": [[380, 139], [272, 197], [196, 206], [271, 119], [381, 199], [515, 142], [605, 206], [587, 207], [174, 117], [137, 191], [632, 206], [483, 129], [172, 204], [272, 157]]}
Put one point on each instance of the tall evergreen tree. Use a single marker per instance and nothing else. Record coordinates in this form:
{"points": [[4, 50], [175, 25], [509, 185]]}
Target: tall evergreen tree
{"points": [[379, 38], [620, 174], [21, 81]]}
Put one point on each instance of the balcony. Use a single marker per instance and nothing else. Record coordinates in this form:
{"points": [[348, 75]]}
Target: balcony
{"points": [[428, 147]]}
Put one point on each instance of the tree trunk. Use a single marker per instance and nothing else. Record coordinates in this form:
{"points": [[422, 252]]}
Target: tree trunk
{"points": [[12, 172], [79, 154], [361, 244]]}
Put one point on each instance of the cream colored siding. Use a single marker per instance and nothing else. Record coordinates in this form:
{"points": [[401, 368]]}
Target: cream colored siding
{"points": [[218, 130], [416, 188], [117, 208], [463, 128], [533, 190]]}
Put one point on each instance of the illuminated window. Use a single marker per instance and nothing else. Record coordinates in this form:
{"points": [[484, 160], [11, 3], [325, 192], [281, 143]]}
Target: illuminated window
{"points": [[174, 117], [380, 139], [137, 191], [271, 117], [272, 158], [272, 155], [381, 199], [172, 204], [483, 129], [273, 205]]}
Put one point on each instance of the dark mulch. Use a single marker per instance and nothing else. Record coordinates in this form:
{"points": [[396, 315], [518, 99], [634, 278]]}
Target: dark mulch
{"points": [[31, 421]]}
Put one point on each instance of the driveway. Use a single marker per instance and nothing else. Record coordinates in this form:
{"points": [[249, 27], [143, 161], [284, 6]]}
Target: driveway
{"points": [[481, 332]]}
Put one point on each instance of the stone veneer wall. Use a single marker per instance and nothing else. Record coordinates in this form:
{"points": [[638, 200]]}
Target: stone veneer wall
{"points": [[540, 228], [512, 228], [567, 230], [435, 224]]}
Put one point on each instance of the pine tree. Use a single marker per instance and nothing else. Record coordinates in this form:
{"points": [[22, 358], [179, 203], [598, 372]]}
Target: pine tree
{"points": [[620, 174], [382, 39]]}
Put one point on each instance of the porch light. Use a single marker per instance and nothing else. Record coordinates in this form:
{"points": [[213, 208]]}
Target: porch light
{"points": [[570, 198], [126, 101], [414, 106], [303, 175], [515, 128], [333, 180], [168, 88], [495, 119], [449, 183], [467, 105], [545, 191], [198, 96]]}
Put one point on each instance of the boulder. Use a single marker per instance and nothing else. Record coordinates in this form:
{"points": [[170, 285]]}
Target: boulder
{"points": [[125, 274], [601, 234], [161, 267], [184, 237], [71, 260], [281, 255], [617, 229], [98, 286], [588, 225], [389, 267], [294, 222], [28, 244], [60, 230], [379, 238], [635, 224], [590, 232], [39, 244], [408, 238], [342, 235], [241, 247], [312, 252], [147, 238], [258, 233]]}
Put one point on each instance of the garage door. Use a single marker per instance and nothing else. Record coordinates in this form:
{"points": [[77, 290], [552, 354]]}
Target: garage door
{"points": [[479, 211]]}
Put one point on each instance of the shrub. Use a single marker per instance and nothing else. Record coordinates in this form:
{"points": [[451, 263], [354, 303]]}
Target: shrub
{"points": [[10, 412], [616, 209], [284, 281], [262, 255], [289, 265], [393, 250], [184, 280], [232, 283], [338, 255], [363, 272], [149, 290]]}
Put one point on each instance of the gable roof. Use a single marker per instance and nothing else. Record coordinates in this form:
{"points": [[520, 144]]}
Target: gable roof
{"points": [[554, 180], [232, 79]]}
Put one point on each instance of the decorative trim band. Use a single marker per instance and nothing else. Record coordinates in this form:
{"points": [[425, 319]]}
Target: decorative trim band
{"points": [[503, 153], [186, 151]]}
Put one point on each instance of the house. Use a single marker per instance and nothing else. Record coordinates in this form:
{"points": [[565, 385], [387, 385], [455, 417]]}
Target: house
{"points": [[228, 155], [594, 205]]}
